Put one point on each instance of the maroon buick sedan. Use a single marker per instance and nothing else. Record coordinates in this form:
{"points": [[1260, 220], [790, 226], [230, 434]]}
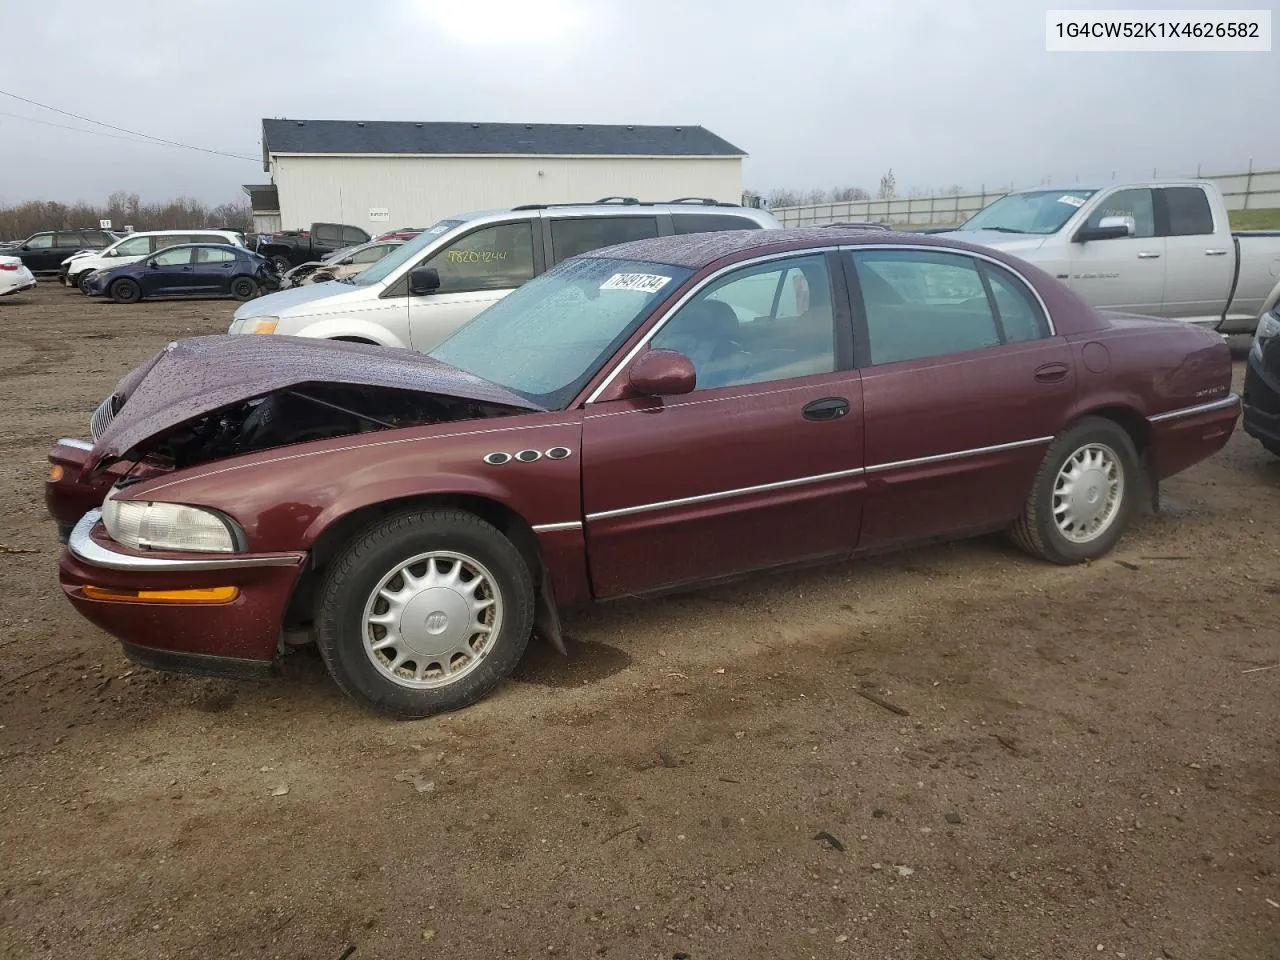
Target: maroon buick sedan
{"points": [[640, 418]]}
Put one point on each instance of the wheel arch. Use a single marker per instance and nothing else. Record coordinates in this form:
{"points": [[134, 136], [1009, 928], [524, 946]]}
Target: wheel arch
{"points": [[1138, 428], [342, 528]]}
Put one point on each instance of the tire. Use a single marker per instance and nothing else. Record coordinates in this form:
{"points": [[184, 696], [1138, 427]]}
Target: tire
{"points": [[373, 562], [282, 263], [125, 290], [81, 280], [1107, 452], [244, 288]]}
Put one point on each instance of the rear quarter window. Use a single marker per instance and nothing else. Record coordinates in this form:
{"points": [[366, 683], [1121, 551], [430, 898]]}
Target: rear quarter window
{"points": [[710, 222]]}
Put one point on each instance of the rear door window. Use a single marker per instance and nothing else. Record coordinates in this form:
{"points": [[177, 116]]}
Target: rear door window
{"points": [[328, 233], [167, 240], [213, 255], [70, 239], [923, 304], [710, 222], [134, 247], [350, 235], [498, 257], [570, 237], [1189, 213]]}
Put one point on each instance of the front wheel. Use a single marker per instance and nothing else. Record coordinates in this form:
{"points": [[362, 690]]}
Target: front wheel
{"points": [[244, 288], [82, 282], [424, 612], [1083, 494], [125, 291], [281, 263]]}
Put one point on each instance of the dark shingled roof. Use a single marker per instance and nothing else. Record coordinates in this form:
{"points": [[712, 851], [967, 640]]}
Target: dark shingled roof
{"points": [[549, 139]]}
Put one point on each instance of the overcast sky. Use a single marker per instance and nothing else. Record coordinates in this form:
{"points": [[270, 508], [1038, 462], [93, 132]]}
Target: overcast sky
{"points": [[819, 92]]}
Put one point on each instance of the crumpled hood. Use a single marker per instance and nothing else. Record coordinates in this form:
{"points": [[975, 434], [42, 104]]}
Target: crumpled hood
{"points": [[192, 377]]}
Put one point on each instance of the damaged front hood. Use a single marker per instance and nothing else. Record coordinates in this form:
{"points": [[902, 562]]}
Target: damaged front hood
{"points": [[193, 377]]}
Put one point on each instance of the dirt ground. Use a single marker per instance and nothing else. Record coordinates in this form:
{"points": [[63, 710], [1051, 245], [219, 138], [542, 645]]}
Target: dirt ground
{"points": [[1088, 765]]}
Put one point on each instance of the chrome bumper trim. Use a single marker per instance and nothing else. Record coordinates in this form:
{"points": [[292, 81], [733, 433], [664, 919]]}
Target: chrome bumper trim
{"points": [[1232, 400], [85, 548]]}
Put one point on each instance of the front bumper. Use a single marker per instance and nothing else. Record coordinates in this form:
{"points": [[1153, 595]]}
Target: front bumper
{"points": [[236, 638], [1262, 396]]}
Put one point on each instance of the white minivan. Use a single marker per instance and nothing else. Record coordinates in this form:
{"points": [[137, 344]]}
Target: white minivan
{"points": [[134, 247], [472, 261]]}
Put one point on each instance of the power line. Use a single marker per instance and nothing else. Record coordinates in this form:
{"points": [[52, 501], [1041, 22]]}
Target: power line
{"points": [[135, 133], [63, 126]]}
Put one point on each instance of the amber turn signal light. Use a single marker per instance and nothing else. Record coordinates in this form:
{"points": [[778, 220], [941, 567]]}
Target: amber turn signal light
{"points": [[196, 595], [265, 326], [56, 473]]}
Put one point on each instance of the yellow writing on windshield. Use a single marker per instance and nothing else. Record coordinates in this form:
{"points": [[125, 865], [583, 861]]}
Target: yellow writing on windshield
{"points": [[476, 256]]}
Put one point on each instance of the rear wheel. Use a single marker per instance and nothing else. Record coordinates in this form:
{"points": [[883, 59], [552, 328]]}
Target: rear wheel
{"points": [[1083, 494], [424, 612], [244, 288], [125, 290]]}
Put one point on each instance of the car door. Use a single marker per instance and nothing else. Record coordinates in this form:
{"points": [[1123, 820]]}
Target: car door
{"points": [[964, 385], [477, 269], [168, 272], [65, 243], [1122, 273], [1199, 254], [761, 465], [38, 253], [213, 270]]}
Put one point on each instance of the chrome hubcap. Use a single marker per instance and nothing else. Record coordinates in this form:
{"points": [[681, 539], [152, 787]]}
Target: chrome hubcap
{"points": [[1088, 492], [432, 619]]}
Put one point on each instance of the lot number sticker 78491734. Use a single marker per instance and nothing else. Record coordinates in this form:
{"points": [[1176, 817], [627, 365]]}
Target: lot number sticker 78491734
{"points": [[644, 282]]}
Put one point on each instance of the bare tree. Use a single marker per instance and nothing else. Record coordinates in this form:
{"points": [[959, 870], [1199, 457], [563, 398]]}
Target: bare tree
{"points": [[888, 186], [20, 221], [848, 194], [782, 197]]}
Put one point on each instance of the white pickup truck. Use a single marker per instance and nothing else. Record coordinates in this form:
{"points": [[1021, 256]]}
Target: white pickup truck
{"points": [[1159, 248]]}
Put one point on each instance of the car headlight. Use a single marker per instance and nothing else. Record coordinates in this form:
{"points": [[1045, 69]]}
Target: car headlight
{"points": [[145, 525], [1268, 327]]}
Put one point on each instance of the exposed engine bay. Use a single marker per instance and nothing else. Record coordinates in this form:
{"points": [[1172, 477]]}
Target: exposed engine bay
{"points": [[308, 412]]}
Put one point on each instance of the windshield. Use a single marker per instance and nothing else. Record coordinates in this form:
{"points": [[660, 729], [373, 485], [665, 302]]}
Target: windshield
{"points": [[546, 339], [1041, 211], [410, 251]]}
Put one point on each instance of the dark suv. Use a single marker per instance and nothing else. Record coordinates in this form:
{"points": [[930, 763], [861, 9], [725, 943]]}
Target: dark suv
{"points": [[44, 252]]}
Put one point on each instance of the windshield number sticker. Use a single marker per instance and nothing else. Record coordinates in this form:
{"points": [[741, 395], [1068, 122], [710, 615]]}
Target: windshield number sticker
{"points": [[476, 256], [644, 282], [1071, 201]]}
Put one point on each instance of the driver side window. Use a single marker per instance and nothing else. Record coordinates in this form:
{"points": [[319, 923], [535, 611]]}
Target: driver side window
{"points": [[764, 323], [173, 257], [499, 257], [43, 241], [1128, 203]]}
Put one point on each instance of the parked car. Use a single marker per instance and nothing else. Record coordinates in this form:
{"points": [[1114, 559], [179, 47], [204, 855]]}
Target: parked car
{"points": [[134, 247], [289, 248], [14, 276], [1159, 248], [402, 233], [1262, 383], [340, 265], [641, 418], [44, 252], [188, 270], [479, 258]]}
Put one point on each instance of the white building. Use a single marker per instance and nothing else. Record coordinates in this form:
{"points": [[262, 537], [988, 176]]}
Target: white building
{"points": [[379, 175]]}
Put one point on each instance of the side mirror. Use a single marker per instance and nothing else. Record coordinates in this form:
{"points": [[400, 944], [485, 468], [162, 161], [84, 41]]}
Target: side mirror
{"points": [[1108, 228], [424, 280], [153, 265], [662, 373]]}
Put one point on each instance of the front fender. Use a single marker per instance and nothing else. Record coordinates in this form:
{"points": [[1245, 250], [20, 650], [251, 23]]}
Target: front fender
{"points": [[339, 328]]}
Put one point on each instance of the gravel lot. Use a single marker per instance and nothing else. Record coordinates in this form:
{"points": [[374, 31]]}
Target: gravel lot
{"points": [[1088, 765]]}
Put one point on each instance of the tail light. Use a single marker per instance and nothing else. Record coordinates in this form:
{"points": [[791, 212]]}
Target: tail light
{"points": [[9, 266]]}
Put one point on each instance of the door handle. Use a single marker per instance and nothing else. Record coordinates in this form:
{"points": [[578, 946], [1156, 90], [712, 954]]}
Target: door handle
{"points": [[828, 408], [1051, 372], [1148, 255], [1215, 253]]}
